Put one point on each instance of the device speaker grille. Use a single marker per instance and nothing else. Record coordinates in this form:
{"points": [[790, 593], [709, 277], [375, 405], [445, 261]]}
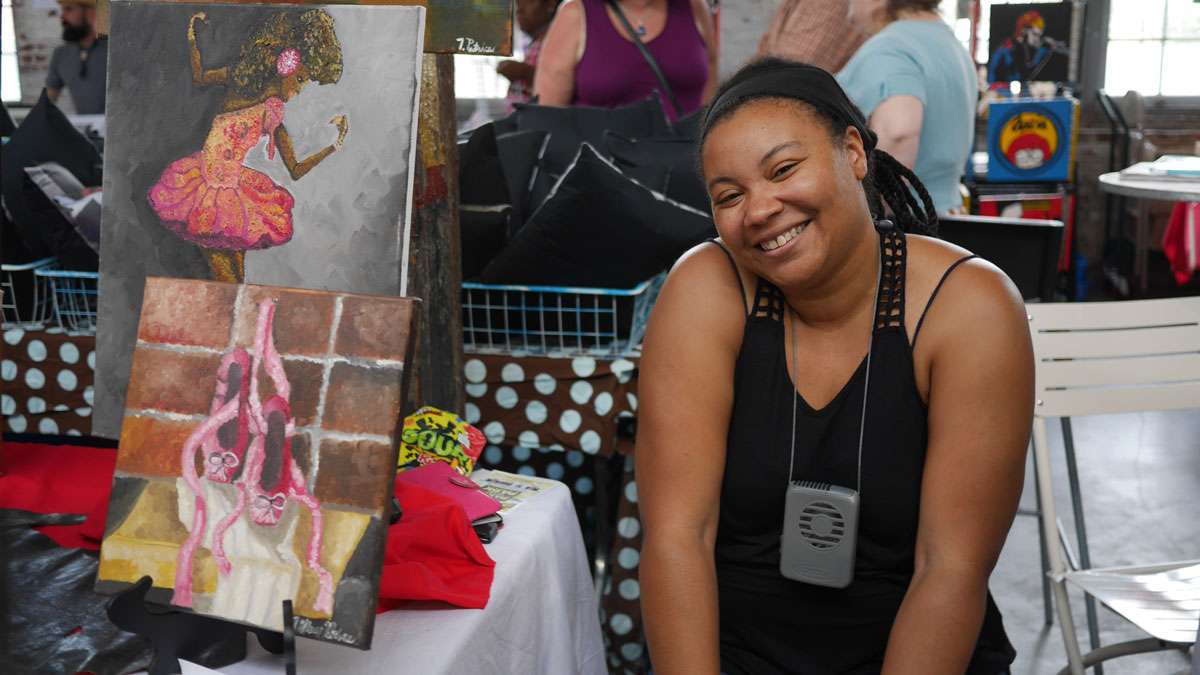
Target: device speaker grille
{"points": [[822, 525]]}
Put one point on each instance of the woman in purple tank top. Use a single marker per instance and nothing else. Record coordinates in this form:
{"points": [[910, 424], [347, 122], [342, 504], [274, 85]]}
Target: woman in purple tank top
{"points": [[588, 58]]}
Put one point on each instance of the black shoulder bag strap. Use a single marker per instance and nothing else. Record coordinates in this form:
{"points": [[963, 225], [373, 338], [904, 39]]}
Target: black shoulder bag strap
{"points": [[637, 40]]}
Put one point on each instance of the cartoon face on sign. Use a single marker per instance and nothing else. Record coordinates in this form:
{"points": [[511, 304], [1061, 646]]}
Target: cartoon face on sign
{"points": [[1029, 141]]}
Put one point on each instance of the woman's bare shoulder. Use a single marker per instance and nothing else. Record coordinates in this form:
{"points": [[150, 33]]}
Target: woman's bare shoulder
{"points": [[700, 298], [930, 258], [708, 270], [975, 296], [570, 12], [932, 253]]}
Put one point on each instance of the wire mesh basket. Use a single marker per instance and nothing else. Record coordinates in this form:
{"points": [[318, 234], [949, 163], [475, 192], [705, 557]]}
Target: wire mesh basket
{"points": [[74, 297], [26, 302], [559, 321]]}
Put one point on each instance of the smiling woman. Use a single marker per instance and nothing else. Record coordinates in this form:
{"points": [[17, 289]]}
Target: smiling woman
{"points": [[814, 382]]}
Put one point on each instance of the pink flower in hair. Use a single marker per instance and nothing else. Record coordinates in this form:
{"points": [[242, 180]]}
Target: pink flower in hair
{"points": [[288, 62]]}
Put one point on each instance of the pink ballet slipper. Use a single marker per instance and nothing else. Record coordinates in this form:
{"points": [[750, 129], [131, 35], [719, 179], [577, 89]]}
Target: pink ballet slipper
{"points": [[187, 552], [274, 479], [273, 476], [225, 450]]}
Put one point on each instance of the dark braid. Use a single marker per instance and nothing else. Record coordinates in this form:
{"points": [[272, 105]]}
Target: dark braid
{"points": [[895, 183]]}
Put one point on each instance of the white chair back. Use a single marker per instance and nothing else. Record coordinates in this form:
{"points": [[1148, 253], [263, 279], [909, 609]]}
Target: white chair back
{"points": [[1098, 358]]}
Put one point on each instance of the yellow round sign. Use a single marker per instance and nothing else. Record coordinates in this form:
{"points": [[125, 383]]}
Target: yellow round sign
{"points": [[1029, 140]]}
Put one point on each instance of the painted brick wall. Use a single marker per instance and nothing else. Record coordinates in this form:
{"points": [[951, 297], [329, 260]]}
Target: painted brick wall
{"points": [[339, 353]]}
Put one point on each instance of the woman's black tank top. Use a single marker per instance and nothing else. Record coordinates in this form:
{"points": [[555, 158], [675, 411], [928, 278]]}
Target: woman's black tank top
{"points": [[770, 624]]}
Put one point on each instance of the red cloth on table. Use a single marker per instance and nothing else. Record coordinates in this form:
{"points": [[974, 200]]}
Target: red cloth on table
{"points": [[60, 479], [1181, 241], [433, 554]]}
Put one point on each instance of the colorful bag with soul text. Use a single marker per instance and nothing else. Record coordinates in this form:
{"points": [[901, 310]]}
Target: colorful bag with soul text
{"points": [[432, 435]]}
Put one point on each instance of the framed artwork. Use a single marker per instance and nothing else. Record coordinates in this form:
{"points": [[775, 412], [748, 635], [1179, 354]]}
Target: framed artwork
{"points": [[1032, 140], [266, 144], [257, 454], [1029, 42]]}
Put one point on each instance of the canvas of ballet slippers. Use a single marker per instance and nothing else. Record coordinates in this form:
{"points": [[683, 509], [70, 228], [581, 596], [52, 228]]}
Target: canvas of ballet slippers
{"points": [[256, 453]]}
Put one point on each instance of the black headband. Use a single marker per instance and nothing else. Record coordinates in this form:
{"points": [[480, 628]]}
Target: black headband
{"points": [[797, 81]]}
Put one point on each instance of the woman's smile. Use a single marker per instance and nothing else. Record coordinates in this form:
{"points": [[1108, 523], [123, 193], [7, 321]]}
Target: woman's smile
{"points": [[777, 245]]}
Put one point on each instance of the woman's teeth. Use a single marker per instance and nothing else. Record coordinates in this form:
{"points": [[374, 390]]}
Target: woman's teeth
{"points": [[784, 238]]}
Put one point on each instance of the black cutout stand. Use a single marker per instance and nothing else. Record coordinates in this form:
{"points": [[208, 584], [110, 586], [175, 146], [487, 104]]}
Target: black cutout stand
{"points": [[203, 640]]}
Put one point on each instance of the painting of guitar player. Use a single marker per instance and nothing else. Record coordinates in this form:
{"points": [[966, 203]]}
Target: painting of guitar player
{"points": [[255, 454], [265, 144], [1029, 42]]}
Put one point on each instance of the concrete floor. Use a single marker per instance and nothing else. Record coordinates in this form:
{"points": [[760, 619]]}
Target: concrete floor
{"points": [[1140, 478]]}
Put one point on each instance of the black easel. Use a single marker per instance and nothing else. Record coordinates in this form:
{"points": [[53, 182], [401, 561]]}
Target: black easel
{"points": [[204, 640]]}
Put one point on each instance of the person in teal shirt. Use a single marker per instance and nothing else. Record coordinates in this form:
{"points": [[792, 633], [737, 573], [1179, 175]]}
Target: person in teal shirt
{"points": [[918, 87]]}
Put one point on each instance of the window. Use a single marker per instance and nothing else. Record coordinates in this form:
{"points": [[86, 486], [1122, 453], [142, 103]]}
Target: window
{"points": [[1153, 46], [10, 74], [958, 15]]}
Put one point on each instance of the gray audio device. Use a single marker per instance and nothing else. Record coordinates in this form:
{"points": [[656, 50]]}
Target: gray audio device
{"points": [[824, 522], [820, 520]]}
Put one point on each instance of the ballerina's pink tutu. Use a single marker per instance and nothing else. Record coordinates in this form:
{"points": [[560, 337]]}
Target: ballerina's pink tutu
{"points": [[211, 199]]}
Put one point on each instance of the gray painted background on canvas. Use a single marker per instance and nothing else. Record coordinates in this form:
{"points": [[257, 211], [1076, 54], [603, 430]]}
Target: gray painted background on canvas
{"points": [[349, 212]]}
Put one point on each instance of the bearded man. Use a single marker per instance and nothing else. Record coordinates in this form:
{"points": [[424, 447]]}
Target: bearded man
{"points": [[81, 63]]}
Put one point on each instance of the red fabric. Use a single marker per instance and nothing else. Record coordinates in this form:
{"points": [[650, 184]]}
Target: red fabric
{"points": [[1181, 241], [60, 479], [433, 554]]}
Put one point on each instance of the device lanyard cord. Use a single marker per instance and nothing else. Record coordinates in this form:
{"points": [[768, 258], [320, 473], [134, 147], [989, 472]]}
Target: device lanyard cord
{"points": [[795, 385], [862, 423]]}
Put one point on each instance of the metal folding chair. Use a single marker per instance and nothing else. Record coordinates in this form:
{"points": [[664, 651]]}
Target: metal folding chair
{"points": [[1106, 358]]}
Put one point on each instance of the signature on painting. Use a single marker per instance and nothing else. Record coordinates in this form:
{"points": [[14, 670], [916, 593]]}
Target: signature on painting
{"points": [[327, 630], [473, 46]]}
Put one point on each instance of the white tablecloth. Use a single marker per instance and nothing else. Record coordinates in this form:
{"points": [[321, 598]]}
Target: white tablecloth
{"points": [[542, 616]]}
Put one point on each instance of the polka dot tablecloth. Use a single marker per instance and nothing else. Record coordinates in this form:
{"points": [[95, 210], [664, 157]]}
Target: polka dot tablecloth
{"points": [[557, 418], [46, 382]]}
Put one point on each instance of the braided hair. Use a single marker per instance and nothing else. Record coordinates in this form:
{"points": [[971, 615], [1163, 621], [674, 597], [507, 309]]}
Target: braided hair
{"points": [[893, 190]]}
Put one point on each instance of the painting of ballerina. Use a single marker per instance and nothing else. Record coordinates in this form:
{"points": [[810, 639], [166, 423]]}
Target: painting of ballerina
{"points": [[264, 144], [254, 458], [210, 197]]}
